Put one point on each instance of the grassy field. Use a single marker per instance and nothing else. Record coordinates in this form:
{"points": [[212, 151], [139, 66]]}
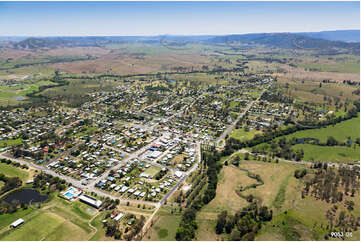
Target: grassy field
{"points": [[240, 134], [152, 171], [278, 191], [37, 228], [9, 170], [165, 225], [9, 94], [10, 142], [46, 226], [304, 221], [342, 63], [279, 182], [100, 232], [7, 219], [340, 131], [164, 229], [329, 153], [230, 178]]}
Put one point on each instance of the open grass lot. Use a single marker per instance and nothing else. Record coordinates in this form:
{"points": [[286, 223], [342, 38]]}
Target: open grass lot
{"points": [[340, 154], [340, 131], [206, 231], [164, 225], [152, 171], [100, 230], [7, 143], [36, 71], [9, 170], [164, 229], [242, 135]]}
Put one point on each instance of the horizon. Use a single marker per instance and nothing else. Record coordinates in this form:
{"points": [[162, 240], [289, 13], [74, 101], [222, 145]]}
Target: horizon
{"points": [[67, 19], [176, 35]]}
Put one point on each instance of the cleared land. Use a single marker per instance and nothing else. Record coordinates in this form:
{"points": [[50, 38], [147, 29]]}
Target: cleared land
{"points": [[340, 131], [338, 154], [11, 171]]}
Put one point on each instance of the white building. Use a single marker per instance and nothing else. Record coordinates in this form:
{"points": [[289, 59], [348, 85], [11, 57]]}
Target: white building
{"points": [[17, 223]]}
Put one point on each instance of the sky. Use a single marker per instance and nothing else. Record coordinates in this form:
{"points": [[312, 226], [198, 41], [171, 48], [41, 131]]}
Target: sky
{"points": [[173, 18]]}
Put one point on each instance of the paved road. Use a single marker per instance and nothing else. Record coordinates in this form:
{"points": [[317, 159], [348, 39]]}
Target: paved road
{"points": [[44, 169], [116, 149], [64, 153], [230, 127], [185, 176], [131, 156]]}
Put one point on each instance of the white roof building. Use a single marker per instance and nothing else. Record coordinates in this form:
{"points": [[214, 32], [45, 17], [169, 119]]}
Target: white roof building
{"points": [[118, 217], [90, 201], [17, 223], [178, 174]]}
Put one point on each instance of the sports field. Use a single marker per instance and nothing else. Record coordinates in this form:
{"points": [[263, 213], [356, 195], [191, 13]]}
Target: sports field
{"points": [[56, 220]]}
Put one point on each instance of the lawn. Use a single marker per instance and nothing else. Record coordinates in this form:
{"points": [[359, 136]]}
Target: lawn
{"points": [[241, 134], [336, 154], [100, 233], [11, 171], [7, 219], [152, 171], [37, 228], [10, 142]]}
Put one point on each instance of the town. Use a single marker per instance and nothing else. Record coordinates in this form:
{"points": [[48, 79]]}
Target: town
{"points": [[112, 130]]}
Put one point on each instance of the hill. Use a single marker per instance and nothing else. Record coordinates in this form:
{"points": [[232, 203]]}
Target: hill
{"points": [[336, 35], [286, 40]]}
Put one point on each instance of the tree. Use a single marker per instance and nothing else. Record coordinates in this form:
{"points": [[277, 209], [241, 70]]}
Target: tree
{"points": [[331, 141], [246, 156], [221, 222], [229, 226]]}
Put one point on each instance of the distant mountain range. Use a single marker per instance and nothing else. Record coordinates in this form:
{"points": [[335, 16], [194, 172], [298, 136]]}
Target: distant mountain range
{"points": [[285, 40], [341, 39], [336, 35]]}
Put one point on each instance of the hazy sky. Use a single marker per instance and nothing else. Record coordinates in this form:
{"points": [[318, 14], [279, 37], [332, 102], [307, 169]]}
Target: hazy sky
{"points": [[155, 18]]}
